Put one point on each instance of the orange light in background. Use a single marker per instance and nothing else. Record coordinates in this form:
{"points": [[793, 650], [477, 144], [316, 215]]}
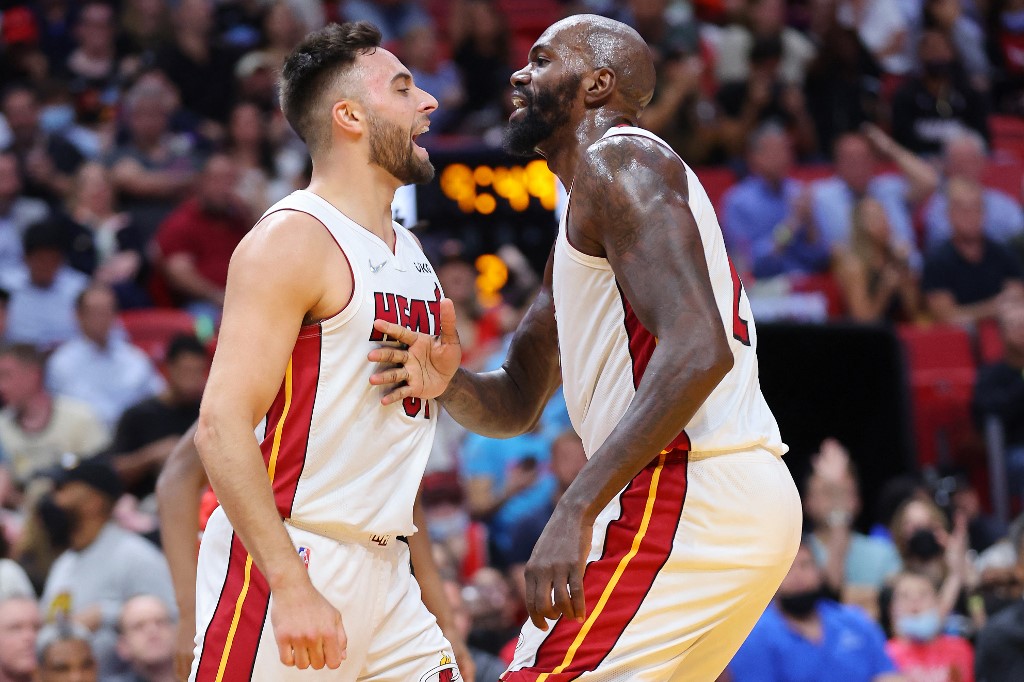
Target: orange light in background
{"points": [[493, 274], [515, 184], [483, 175], [485, 204]]}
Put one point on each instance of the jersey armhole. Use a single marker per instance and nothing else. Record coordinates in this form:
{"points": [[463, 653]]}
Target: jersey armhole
{"points": [[350, 307]]}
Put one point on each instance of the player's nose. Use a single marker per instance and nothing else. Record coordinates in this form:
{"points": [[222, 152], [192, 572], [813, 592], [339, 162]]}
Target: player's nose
{"points": [[428, 102], [520, 77]]}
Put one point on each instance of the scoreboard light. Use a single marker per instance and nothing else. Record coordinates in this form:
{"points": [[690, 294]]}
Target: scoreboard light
{"points": [[478, 190]]}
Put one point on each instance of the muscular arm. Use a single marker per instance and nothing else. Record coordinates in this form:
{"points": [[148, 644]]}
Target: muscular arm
{"points": [[645, 227], [277, 273], [509, 401]]}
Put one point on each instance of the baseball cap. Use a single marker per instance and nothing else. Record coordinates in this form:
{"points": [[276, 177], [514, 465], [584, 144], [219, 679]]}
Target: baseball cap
{"points": [[95, 473]]}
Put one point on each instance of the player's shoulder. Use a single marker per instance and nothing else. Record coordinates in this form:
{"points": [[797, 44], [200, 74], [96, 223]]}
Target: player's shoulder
{"points": [[636, 164], [617, 151]]}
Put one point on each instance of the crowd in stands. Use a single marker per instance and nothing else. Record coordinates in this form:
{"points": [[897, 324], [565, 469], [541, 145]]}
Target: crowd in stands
{"points": [[866, 146]]}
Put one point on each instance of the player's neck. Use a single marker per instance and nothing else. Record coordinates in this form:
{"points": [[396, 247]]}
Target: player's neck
{"points": [[564, 153], [364, 197]]}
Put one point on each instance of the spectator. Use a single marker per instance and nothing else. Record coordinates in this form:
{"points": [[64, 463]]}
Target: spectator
{"points": [[998, 586], [19, 625], [874, 272], [146, 640], [248, 144], [5, 300], [36, 428], [17, 212], [804, 636], [964, 157], [488, 666], [854, 566], [104, 565], [148, 431], [999, 391], [394, 18], [65, 654], [43, 294], [855, 178], [968, 276], [196, 241], [939, 103], [479, 329], [255, 80], [145, 27], [918, 647], [1007, 40], [106, 244], [421, 53], [283, 28], [494, 612], [882, 29], [948, 17], [154, 168], [195, 59], [766, 217], [99, 367], [47, 161], [999, 653], [92, 70], [762, 98], [479, 37], [666, 27], [766, 18]]}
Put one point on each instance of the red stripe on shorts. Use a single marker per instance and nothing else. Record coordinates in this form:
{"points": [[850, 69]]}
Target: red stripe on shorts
{"points": [[233, 636], [630, 586]]}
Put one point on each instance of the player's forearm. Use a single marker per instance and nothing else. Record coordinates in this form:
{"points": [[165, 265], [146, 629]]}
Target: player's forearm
{"points": [[489, 403], [678, 380], [178, 492], [427, 576], [234, 465]]}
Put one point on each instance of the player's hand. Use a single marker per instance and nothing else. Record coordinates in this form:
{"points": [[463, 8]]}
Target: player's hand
{"points": [[424, 368], [556, 567], [308, 630], [184, 650]]}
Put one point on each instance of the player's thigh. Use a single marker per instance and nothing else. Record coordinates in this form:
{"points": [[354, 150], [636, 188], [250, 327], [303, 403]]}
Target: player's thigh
{"points": [[408, 645]]}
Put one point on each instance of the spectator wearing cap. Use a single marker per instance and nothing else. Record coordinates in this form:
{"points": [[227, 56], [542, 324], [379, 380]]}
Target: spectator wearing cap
{"points": [[46, 160], [65, 654], [43, 293], [37, 428], [99, 367], [394, 18], [17, 212], [104, 565], [146, 642], [19, 625], [999, 652]]}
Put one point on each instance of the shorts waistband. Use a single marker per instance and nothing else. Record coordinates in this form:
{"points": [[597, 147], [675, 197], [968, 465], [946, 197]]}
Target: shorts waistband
{"points": [[353, 536]]}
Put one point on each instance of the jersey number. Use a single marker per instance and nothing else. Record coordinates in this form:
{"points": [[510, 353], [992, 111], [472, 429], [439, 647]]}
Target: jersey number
{"points": [[414, 406], [740, 327]]}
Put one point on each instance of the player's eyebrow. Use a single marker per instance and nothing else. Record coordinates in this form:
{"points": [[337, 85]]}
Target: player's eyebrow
{"points": [[401, 75], [540, 47]]}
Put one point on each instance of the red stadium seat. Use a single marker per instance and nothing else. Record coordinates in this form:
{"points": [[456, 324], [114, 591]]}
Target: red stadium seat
{"points": [[152, 329], [990, 342], [826, 285], [941, 372]]}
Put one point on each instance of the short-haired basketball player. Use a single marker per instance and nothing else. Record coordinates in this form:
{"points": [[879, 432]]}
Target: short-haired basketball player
{"points": [[303, 566], [665, 550]]}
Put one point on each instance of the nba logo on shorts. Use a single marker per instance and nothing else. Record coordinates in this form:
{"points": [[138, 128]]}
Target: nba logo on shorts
{"points": [[304, 553], [446, 672]]}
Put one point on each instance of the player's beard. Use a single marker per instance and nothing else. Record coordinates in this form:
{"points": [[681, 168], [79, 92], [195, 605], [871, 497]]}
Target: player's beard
{"points": [[545, 112], [391, 148]]}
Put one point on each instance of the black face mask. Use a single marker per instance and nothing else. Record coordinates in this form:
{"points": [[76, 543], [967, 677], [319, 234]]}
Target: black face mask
{"points": [[57, 522], [799, 605], [923, 545]]}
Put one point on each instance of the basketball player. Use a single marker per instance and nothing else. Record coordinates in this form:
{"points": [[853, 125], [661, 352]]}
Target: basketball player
{"points": [[665, 550], [302, 566]]}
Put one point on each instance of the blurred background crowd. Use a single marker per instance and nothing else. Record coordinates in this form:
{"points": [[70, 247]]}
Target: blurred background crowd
{"points": [[866, 160]]}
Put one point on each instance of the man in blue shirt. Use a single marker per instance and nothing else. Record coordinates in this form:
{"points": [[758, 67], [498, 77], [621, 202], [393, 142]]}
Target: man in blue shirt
{"points": [[766, 218], [805, 637]]}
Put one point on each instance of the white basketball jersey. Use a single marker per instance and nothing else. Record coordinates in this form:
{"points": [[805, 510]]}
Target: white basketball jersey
{"points": [[339, 461], [604, 349]]}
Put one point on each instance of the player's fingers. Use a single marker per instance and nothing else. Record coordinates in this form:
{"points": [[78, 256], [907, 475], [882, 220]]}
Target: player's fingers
{"points": [[392, 355], [529, 596], [301, 655], [342, 639], [448, 332], [285, 652], [397, 395], [392, 376], [333, 655], [395, 331], [579, 605], [316, 654], [562, 603], [543, 607]]}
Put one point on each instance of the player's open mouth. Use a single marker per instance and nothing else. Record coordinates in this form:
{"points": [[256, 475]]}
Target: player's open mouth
{"points": [[521, 104], [421, 131]]}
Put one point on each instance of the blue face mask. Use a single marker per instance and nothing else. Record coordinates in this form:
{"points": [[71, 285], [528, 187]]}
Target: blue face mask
{"points": [[55, 118], [451, 525], [924, 627]]}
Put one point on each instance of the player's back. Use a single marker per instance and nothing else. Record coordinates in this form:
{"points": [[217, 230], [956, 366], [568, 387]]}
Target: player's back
{"points": [[340, 462], [605, 349]]}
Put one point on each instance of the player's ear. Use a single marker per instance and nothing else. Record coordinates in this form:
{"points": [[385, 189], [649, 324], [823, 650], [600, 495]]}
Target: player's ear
{"points": [[348, 115], [598, 86]]}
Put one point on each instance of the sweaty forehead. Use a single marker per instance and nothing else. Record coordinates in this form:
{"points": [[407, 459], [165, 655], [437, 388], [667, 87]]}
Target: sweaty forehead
{"points": [[378, 67]]}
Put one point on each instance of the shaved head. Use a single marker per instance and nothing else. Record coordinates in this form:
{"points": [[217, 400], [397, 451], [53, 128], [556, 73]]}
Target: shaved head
{"points": [[605, 43]]}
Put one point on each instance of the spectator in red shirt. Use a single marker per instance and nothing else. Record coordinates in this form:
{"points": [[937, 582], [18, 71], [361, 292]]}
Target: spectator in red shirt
{"points": [[919, 649], [197, 239]]}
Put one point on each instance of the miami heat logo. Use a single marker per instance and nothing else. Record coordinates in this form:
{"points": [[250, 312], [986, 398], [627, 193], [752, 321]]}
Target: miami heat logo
{"points": [[448, 671]]}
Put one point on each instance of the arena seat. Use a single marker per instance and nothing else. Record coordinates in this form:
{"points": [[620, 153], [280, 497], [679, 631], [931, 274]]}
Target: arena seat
{"points": [[152, 329], [989, 341], [941, 372]]}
